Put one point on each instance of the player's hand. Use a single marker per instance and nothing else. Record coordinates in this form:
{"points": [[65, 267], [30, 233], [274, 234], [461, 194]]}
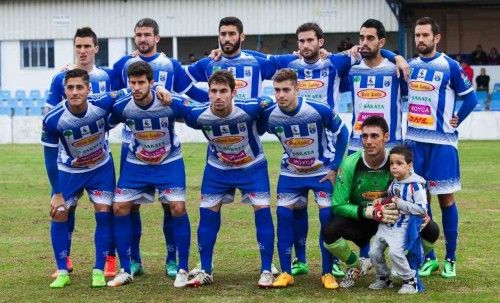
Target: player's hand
{"points": [[330, 175], [324, 54], [354, 52], [135, 53], [57, 203], [163, 95], [390, 213], [425, 220], [215, 54], [402, 67], [454, 121]]}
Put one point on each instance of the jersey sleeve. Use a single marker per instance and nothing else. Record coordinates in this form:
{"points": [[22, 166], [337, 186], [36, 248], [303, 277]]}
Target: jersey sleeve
{"points": [[116, 116], [342, 63], [56, 91], [197, 70], [50, 137], [340, 135], [391, 56], [267, 69], [118, 82], [255, 53], [341, 205], [419, 204], [458, 79], [50, 155]]}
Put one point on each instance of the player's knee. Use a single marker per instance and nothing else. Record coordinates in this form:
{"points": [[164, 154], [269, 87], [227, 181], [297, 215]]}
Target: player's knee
{"points": [[177, 209], [60, 216], [446, 200], [121, 208], [99, 208], [430, 232]]}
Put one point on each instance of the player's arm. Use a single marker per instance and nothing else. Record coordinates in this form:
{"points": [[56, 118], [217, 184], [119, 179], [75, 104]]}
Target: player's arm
{"points": [[50, 141], [419, 204], [56, 92], [116, 115], [403, 68], [341, 193], [117, 81], [183, 84], [462, 86], [197, 71], [341, 135]]}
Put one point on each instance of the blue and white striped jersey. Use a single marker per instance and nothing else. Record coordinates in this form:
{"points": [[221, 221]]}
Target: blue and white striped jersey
{"points": [[309, 151], [432, 89], [413, 193], [80, 139]]}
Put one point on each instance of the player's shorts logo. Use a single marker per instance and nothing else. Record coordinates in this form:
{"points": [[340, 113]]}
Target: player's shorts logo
{"points": [[371, 94], [149, 135], [310, 84], [421, 86], [86, 141], [228, 140], [240, 84], [299, 142]]}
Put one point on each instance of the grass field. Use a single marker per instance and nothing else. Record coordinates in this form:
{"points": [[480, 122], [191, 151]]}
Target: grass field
{"points": [[26, 255]]}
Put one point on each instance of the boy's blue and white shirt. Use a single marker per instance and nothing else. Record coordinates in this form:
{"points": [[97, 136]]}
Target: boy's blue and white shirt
{"points": [[411, 190], [80, 139], [432, 89], [303, 133], [99, 81], [376, 92], [154, 140]]}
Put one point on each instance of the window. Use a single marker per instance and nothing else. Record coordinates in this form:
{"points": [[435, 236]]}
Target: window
{"points": [[101, 58], [37, 53]]}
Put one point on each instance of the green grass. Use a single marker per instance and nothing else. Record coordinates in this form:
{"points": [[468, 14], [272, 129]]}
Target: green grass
{"points": [[26, 255]]}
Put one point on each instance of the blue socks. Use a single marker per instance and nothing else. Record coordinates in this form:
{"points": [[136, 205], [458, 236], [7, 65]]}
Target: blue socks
{"points": [[136, 230], [364, 252], [182, 236], [207, 235], [59, 238], [265, 237], [122, 236], [300, 229], [102, 237], [71, 228], [168, 233], [327, 259], [285, 237], [450, 229]]}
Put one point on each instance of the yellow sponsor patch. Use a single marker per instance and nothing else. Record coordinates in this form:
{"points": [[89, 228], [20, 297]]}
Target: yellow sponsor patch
{"points": [[228, 140], [299, 142], [420, 120], [372, 195], [421, 86], [371, 94], [240, 84], [310, 84], [86, 141], [149, 135]]}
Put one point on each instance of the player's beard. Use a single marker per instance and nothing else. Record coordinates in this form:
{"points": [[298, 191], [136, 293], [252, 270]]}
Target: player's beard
{"points": [[367, 53], [234, 47], [313, 55], [142, 96], [143, 50], [425, 49]]}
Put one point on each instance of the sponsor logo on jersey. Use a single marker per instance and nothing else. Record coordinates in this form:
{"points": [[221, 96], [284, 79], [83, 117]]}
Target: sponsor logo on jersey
{"points": [[299, 142], [279, 130], [357, 79], [415, 119], [228, 140], [68, 133], [371, 94], [310, 84], [240, 84], [421, 86], [86, 141], [372, 195], [420, 109], [90, 159], [149, 135], [235, 159], [432, 183]]}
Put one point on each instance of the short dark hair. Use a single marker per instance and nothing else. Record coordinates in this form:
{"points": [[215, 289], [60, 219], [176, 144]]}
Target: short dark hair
{"points": [[285, 74], [310, 26], [232, 21], [376, 121], [404, 151], [85, 32], [148, 22], [428, 20], [222, 77], [140, 68], [373, 23], [77, 73]]}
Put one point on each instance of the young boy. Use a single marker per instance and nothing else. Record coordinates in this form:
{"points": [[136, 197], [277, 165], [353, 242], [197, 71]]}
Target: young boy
{"points": [[407, 191]]}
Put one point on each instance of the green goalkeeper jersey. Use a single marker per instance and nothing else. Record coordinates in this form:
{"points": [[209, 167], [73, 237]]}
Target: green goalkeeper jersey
{"points": [[357, 184]]}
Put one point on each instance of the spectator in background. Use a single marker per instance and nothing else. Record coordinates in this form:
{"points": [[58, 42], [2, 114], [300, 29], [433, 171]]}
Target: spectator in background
{"points": [[483, 81], [493, 57], [192, 58], [469, 72], [284, 49], [479, 56]]}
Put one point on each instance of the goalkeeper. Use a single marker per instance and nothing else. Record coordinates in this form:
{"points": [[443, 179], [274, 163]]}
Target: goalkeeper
{"points": [[363, 177]]}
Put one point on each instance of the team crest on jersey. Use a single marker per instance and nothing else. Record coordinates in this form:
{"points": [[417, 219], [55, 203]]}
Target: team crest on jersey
{"points": [[68, 133], [397, 192], [357, 79], [248, 71], [162, 78], [308, 73], [312, 128], [324, 72], [295, 130], [437, 78], [146, 123], [224, 129], [102, 86], [85, 130], [371, 81], [164, 122], [232, 69], [242, 127], [422, 73], [100, 123], [387, 83]]}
